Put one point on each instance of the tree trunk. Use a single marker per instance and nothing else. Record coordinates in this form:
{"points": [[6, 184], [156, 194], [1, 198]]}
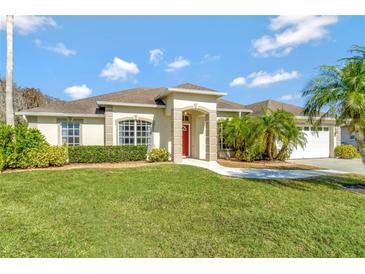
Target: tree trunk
{"points": [[281, 152], [360, 140], [9, 70], [269, 146]]}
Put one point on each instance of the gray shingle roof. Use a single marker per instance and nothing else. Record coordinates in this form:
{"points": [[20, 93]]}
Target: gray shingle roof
{"points": [[273, 105], [132, 96]]}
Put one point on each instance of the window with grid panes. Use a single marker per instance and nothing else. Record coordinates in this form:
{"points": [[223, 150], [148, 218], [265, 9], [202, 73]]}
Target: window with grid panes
{"points": [[135, 132], [70, 133]]}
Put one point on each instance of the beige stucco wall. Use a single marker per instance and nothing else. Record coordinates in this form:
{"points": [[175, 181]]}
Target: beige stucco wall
{"points": [[92, 129], [161, 129], [226, 114], [48, 126], [198, 137], [195, 101]]}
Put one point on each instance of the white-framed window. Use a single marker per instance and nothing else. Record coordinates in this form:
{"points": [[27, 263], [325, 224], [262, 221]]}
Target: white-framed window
{"points": [[135, 132], [70, 133]]}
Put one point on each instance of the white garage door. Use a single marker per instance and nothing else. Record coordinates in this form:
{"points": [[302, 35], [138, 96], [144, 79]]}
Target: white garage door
{"points": [[318, 144]]}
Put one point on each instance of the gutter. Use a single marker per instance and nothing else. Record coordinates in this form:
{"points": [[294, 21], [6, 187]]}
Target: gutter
{"points": [[58, 114], [234, 110], [190, 91], [107, 103]]}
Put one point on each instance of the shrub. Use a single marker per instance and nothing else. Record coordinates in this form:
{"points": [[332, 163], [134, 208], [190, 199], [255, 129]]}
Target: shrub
{"points": [[2, 160], [106, 154], [57, 155], [24, 140], [23, 147], [35, 158], [249, 154], [158, 155], [45, 157], [346, 152]]}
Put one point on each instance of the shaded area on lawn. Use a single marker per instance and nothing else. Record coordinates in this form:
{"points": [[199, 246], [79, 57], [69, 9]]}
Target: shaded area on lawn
{"points": [[177, 211], [265, 164]]}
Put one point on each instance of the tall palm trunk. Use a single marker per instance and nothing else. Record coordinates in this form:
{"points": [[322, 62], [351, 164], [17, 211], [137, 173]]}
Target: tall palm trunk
{"points": [[360, 140], [9, 70]]}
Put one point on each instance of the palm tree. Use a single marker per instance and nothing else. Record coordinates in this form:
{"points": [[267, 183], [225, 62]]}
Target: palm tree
{"points": [[235, 132], [339, 91], [9, 70], [278, 127]]}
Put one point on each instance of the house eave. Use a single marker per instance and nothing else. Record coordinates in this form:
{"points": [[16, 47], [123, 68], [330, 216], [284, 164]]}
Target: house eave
{"points": [[58, 114], [234, 110], [107, 103], [190, 91], [315, 118]]}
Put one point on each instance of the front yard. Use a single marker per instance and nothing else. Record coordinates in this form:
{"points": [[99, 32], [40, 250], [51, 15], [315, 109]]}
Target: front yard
{"points": [[177, 211]]}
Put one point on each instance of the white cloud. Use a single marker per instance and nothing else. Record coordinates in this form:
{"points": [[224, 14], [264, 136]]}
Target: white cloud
{"points": [[263, 79], [156, 56], [25, 24], [292, 31], [289, 97], [239, 81], [179, 63], [210, 58], [78, 92], [59, 48], [119, 70]]}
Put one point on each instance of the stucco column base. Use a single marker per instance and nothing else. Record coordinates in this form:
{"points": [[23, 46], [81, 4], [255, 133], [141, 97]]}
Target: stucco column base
{"points": [[176, 134], [108, 126], [211, 136]]}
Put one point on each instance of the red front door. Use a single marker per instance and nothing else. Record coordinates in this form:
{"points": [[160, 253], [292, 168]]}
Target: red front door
{"points": [[185, 140]]}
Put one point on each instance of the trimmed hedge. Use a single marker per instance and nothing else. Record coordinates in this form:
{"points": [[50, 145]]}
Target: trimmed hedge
{"points": [[346, 152], [106, 154]]}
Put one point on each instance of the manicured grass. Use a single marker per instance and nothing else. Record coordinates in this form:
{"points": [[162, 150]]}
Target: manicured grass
{"points": [[265, 164], [177, 211]]}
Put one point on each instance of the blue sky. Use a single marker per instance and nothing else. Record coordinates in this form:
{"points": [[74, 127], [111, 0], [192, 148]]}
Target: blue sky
{"points": [[252, 58]]}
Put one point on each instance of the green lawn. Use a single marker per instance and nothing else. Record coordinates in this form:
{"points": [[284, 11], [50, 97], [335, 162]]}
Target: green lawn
{"points": [[177, 211]]}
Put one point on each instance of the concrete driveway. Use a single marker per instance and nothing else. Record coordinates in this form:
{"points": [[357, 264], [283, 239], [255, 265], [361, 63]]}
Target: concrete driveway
{"points": [[351, 165]]}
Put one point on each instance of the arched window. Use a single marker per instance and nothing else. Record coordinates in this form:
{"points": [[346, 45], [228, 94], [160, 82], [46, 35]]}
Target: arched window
{"points": [[135, 132]]}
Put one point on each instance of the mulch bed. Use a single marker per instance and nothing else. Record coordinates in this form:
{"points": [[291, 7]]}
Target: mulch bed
{"points": [[91, 165]]}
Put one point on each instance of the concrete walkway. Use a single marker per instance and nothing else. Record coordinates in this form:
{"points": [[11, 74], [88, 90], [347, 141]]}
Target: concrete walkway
{"points": [[256, 173]]}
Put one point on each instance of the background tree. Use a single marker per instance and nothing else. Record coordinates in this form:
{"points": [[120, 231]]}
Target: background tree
{"points": [[9, 105], [339, 91]]}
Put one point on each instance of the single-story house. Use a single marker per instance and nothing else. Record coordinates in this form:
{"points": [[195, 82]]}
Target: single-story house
{"points": [[320, 143], [182, 119]]}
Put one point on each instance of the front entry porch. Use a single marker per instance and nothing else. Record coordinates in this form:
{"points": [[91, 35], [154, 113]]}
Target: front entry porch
{"points": [[194, 134]]}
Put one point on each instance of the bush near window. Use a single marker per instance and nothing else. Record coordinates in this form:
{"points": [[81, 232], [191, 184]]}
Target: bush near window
{"points": [[346, 152], [24, 147], [106, 154], [158, 155]]}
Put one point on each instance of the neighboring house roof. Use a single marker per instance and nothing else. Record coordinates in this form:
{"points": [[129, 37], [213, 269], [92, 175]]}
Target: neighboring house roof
{"points": [[273, 105], [136, 96]]}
